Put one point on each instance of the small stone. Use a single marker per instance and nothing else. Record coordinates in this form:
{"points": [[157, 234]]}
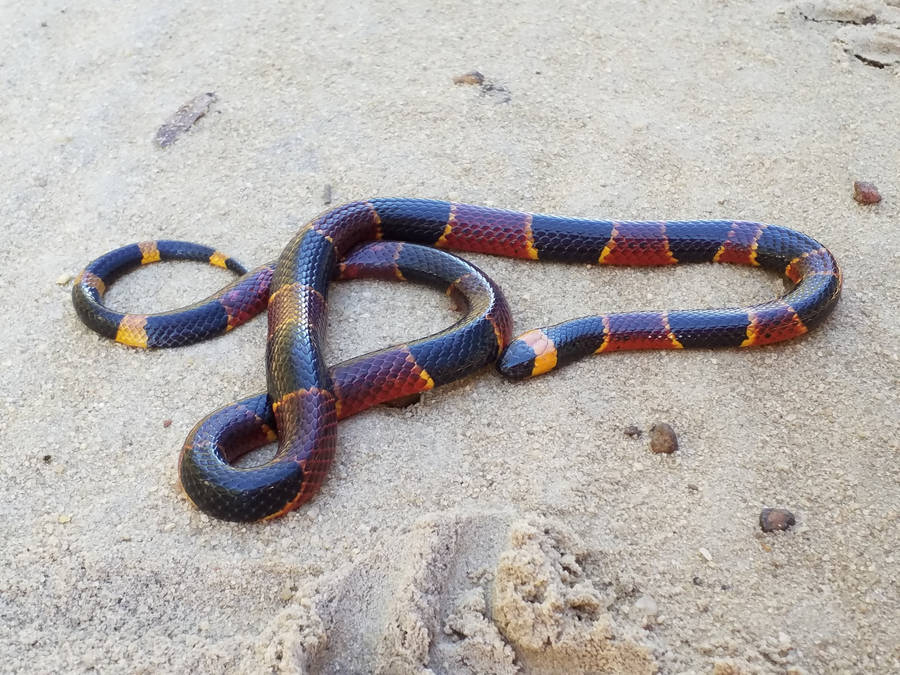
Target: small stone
{"points": [[63, 519], [707, 556], [167, 424], [63, 279], [646, 605], [771, 520], [497, 92], [47, 459], [633, 432], [663, 439], [472, 77], [865, 192]]}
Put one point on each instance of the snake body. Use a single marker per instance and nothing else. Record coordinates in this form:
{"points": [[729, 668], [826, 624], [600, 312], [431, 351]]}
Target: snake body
{"points": [[305, 398]]}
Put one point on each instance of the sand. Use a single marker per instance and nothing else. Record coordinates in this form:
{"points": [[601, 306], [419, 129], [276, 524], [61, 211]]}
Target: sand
{"points": [[492, 527]]}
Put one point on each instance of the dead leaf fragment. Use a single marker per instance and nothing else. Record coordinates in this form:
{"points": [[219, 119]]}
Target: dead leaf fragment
{"points": [[184, 118]]}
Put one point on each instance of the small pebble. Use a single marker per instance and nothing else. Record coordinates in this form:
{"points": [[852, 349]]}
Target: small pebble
{"points": [[663, 439], [63, 519], [771, 520], [865, 192], [498, 92], [646, 605], [633, 432], [63, 279], [48, 459], [472, 77], [707, 556], [167, 424]]}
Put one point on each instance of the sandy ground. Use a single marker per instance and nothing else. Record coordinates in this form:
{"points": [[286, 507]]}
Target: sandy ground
{"points": [[493, 527]]}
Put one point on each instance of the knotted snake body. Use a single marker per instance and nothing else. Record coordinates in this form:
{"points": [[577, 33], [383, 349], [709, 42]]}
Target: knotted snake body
{"points": [[305, 398]]}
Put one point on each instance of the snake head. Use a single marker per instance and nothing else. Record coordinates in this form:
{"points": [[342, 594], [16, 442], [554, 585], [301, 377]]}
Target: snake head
{"points": [[532, 353]]}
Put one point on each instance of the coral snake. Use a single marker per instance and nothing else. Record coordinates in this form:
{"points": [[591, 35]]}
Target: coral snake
{"points": [[400, 239]]}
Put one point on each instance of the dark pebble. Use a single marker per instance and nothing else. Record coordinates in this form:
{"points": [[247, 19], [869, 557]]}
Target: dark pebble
{"points": [[167, 424], [865, 192], [497, 92], [633, 431], [663, 439], [771, 520], [48, 459]]}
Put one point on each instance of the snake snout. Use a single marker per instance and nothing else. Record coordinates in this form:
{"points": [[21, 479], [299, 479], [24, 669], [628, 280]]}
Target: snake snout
{"points": [[517, 360]]}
